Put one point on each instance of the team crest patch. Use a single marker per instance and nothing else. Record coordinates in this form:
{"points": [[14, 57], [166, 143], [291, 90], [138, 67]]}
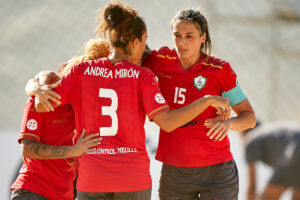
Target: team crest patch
{"points": [[199, 82], [159, 99], [32, 124]]}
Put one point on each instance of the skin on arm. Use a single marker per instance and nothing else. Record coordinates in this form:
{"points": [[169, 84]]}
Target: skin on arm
{"points": [[172, 119], [36, 150], [245, 119], [273, 192], [296, 193], [251, 193]]}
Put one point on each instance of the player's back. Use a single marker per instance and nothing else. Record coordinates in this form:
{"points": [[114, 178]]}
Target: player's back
{"points": [[113, 100]]}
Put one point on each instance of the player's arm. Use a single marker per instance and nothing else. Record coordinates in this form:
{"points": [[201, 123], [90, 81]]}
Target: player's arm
{"points": [[36, 150], [172, 119], [251, 193], [245, 119]]}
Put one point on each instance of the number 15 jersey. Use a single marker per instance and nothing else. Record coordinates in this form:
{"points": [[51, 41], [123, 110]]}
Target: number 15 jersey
{"points": [[113, 100], [189, 145]]}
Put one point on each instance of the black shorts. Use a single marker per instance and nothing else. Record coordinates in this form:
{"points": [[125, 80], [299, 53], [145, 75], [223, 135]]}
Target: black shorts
{"points": [[286, 172], [20, 194], [135, 195], [217, 182]]}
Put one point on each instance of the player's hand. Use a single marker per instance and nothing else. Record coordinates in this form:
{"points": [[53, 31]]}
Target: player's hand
{"points": [[85, 143], [218, 129], [222, 106], [44, 94]]}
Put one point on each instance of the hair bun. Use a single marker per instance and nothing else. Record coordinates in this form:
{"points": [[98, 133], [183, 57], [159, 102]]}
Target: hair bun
{"points": [[114, 14]]}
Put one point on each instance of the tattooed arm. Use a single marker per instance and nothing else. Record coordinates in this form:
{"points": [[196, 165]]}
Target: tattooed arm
{"points": [[36, 150]]}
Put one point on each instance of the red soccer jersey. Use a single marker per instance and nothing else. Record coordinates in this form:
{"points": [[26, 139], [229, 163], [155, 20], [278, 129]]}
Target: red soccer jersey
{"points": [[113, 100], [51, 178], [188, 146]]}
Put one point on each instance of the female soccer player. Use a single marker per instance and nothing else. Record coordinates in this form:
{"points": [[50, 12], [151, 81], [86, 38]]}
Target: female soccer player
{"points": [[196, 159], [47, 140], [113, 96]]}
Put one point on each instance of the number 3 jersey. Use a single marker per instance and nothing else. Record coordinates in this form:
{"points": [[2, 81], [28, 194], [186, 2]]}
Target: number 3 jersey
{"points": [[189, 146], [113, 100]]}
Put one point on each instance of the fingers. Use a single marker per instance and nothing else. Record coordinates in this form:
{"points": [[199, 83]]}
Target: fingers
{"points": [[93, 142], [89, 150], [218, 131], [227, 109], [227, 113], [220, 137], [51, 95], [45, 105], [220, 111], [44, 98], [222, 134], [82, 133], [55, 84], [92, 136], [208, 124], [212, 129]]}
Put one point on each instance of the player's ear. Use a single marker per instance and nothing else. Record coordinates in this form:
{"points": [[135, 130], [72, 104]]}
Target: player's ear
{"points": [[203, 38], [135, 41]]}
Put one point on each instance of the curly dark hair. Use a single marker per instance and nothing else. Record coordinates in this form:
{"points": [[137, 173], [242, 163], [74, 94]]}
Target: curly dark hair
{"points": [[120, 24]]}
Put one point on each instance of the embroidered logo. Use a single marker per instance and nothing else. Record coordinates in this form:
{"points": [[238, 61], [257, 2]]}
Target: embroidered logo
{"points": [[199, 82], [159, 99], [32, 125]]}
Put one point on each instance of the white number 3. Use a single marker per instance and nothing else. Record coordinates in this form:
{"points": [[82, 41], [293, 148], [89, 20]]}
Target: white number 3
{"points": [[111, 111]]}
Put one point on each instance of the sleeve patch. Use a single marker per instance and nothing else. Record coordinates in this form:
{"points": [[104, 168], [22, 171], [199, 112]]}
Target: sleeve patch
{"points": [[235, 95]]}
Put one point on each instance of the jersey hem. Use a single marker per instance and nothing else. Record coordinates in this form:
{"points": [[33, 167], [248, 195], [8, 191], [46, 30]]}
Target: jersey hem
{"points": [[200, 164], [131, 189]]}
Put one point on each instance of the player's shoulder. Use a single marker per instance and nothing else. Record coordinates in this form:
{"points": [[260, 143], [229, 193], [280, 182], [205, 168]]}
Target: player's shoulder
{"points": [[30, 105], [96, 62], [214, 62], [141, 69], [166, 53]]}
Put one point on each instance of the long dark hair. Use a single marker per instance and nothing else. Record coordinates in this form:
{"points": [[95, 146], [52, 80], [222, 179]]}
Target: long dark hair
{"points": [[195, 16]]}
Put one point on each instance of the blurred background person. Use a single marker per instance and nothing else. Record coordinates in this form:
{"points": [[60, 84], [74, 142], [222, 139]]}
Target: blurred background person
{"points": [[276, 144]]}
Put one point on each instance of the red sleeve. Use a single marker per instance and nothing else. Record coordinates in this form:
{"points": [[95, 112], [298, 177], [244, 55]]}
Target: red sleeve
{"points": [[69, 88], [32, 124], [153, 101], [229, 79]]}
